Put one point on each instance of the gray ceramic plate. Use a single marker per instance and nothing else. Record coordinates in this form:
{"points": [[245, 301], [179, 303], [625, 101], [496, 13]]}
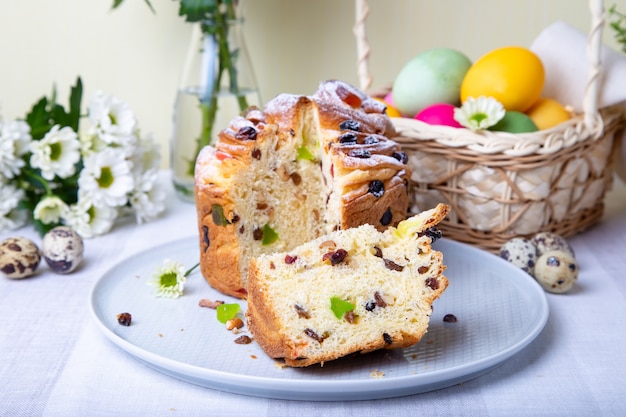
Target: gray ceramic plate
{"points": [[500, 310]]}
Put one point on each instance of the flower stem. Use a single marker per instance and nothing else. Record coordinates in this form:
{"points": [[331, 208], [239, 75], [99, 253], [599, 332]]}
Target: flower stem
{"points": [[219, 28], [38, 178], [190, 270]]}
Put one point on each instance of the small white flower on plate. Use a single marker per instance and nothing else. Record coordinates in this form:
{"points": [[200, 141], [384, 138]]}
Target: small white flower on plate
{"points": [[479, 113], [106, 177], [14, 141], [57, 153], [169, 279]]}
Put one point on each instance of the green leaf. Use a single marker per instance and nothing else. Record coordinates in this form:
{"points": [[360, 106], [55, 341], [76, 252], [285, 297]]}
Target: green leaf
{"points": [[340, 307], [39, 119], [117, 3], [226, 311], [197, 10], [269, 235], [76, 94]]}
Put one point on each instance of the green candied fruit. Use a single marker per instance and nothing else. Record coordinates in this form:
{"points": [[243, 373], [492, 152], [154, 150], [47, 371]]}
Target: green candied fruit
{"points": [[217, 212], [304, 153], [226, 312], [340, 307], [269, 235]]}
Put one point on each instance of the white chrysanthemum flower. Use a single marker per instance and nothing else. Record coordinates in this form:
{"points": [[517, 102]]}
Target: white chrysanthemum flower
{"points": [[480, 113], [90, 220], [14, 141], [91, 143], [169, 279], [50, 210], [112, 117], [11, 217], [148, 198], [148, 154], [107, 177], [57, 153]]}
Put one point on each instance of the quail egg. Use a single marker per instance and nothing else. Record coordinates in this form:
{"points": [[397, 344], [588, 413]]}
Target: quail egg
{"points": [[19, 257], [62, 248], [520, 252], [548, 241], [556, 271]]}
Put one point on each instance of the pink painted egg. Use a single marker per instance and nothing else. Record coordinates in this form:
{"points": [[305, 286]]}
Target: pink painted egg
{"points": [[438, 114], [389, 98]]}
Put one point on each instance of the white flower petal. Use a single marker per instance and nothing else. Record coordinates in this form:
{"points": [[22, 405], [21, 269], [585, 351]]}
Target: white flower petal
{"points": [[174, 270], [479, 113], [107, 177], [14, 142], [57, 153], [50, 210]]}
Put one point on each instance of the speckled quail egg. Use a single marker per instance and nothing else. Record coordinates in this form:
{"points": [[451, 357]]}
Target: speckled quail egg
{"points": [[62, 248], [520, 252], [19, 257], [549, 241], [556, 271]]}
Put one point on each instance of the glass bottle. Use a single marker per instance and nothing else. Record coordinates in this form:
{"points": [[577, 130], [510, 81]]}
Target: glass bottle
{"points": [[217, 84]]}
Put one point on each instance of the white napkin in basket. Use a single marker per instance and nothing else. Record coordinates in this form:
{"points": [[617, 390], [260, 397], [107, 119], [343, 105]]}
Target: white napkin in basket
{"points": [[563, 51]]}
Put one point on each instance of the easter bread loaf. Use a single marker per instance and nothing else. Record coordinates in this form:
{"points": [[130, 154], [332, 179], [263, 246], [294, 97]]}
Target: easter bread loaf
{"points": [[296, 170], [354, 290]]}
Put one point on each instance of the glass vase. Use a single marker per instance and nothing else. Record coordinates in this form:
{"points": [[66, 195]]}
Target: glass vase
{"points": [[217, 84]]}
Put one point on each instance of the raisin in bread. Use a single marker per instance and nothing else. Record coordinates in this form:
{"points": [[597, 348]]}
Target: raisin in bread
{"points": [[354, 290], [300, 168]]}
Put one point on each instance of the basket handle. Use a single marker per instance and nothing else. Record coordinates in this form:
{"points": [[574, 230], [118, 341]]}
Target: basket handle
{"points": [[594, 47], [362, 45]]}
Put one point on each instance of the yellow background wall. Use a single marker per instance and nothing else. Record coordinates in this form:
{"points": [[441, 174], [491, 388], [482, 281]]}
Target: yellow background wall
{"points": [[294, 44]]}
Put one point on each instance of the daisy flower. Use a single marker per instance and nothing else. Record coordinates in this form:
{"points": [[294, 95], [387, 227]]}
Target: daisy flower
{"points": [[90, 220], [57, 153], [148, 198], [14, 141], [11, 217], [148, 154], [169, 279], [480, 113], [112, 117], [50, 209], [107, 178]]}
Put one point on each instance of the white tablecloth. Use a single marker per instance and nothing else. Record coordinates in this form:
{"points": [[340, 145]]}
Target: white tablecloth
{"points": [[54, 361]]}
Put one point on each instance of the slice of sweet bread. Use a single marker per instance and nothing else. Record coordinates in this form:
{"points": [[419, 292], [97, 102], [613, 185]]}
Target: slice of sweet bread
{"points": [[351, 290]]}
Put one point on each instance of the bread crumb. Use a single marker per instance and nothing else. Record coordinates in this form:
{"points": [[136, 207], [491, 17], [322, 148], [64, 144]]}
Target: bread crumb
{"points": [[377, 374]]}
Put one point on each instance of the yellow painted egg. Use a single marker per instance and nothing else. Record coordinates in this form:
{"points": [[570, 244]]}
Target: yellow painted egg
{"points": [[547, 113], [512, 75], [391, 110]]}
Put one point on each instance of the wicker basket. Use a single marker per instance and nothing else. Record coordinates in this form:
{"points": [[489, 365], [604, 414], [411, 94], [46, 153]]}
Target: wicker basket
{"points": [[503, 185]]}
